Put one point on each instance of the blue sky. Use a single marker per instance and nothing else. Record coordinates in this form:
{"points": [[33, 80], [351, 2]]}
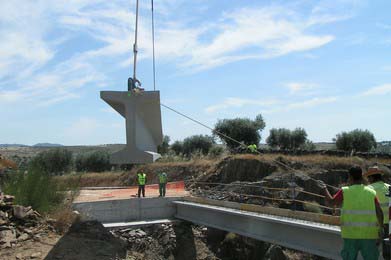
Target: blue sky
{"points": [[321, 65]]}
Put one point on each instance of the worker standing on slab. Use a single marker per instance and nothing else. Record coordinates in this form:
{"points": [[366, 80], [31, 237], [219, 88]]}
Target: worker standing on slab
{"points": [[361, 217], [141, 179], [162, 184]]}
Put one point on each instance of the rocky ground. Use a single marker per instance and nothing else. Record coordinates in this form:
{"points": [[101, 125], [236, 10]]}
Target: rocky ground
{"points": [[24, 234], [182, 240]]}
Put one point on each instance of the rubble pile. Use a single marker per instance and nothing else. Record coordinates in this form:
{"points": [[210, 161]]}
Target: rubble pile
{"points": [[149, 242], [18, 223]]}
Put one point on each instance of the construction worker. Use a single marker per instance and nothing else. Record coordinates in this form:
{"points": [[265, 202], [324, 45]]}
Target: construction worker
{"points": [[141, 180], [162, 184], [374, 177], [253, 148], [361, 216]]}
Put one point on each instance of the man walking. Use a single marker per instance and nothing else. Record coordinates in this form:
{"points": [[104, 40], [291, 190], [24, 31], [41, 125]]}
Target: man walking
{"points": [[141, 180], [162, 184], [361, 217]]}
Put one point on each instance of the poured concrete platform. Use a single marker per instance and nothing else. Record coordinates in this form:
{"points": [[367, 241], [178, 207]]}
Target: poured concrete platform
{"points": [[128, 210]]}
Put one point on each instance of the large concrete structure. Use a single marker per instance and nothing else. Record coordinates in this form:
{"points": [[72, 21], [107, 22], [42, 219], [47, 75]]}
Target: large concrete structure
{"points": [[141, 111]]}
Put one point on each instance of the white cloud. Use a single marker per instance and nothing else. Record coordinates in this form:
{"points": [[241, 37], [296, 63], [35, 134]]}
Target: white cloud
{"points": [[31, 41], [296, 87], [239, 102], [378, 90], [387, 68], [311, 102], [288, 106], [384, 26]]}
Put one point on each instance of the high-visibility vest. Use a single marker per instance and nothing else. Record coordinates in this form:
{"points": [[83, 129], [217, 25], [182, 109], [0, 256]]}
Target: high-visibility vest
{"points": [[162, 177], [358, 213], [252, 148], [141, 178], [381, 189]]}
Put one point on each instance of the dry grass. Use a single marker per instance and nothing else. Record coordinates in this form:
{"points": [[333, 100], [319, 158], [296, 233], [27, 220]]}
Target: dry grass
{"points": [[4, 163], [63, 219], [92, 179]]}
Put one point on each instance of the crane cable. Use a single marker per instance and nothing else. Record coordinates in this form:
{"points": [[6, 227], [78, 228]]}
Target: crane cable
{"points": [[236, 141], [153, 46], [183, 115], [135, 48]]}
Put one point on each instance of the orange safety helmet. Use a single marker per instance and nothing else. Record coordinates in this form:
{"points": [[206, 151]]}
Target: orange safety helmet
{"points": [[372, 171]]}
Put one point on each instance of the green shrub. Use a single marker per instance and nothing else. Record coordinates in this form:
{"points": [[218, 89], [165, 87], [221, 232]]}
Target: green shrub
{"points": [[286, 139], [243, 130], [36, 188], [177, 147], [197, 143], [216, 151], [54, 161], [164, 147], [97, 161], [357, 140]]}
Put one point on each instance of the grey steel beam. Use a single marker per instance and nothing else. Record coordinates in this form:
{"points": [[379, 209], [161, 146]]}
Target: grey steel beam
{"points": [[314, 238], [141, 111]]}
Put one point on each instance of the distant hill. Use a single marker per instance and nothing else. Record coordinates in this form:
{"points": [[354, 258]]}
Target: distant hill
{"points": [[13, 145], [47, 145]]}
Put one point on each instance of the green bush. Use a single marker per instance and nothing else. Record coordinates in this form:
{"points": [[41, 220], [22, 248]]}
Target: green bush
{"points": [[197, 143], [216, 151], [36, 188], [243, 130], [177, 147], [283, 138], [164, 147], [97, 161], [357, 140], [54, 161]]}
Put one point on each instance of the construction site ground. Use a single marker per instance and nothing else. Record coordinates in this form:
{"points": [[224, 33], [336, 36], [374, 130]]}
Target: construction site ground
{"points": [[173, 189], [184, 241]]}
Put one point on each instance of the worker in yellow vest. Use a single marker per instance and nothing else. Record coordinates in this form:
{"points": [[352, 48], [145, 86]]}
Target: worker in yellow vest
{"points": [[141, 180], [375, 179], [361, 217], [253, 148], [162, 184]]}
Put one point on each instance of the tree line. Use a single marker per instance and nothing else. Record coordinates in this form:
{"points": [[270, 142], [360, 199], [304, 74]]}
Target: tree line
{"points": [[241, 132], [233, 134]]}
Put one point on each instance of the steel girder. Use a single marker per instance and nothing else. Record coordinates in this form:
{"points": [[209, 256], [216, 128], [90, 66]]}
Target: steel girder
{"points": [[314, 238]]}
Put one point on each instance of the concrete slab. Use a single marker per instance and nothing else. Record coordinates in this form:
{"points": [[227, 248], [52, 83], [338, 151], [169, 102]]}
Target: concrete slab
{"points": [[174, 189], [128, 210]]}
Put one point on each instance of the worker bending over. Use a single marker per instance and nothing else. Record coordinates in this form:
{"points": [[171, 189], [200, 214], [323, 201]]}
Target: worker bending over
{"points": [[361, 217], [252, 148], [141, 180], [162, 184]]}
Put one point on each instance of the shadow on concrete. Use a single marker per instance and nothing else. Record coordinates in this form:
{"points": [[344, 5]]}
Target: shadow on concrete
{"points": [[185, 248], [88, 241]]}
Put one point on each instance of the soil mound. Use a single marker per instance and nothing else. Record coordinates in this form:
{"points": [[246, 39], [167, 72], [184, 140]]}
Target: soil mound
{"points": [[88, 240]]}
